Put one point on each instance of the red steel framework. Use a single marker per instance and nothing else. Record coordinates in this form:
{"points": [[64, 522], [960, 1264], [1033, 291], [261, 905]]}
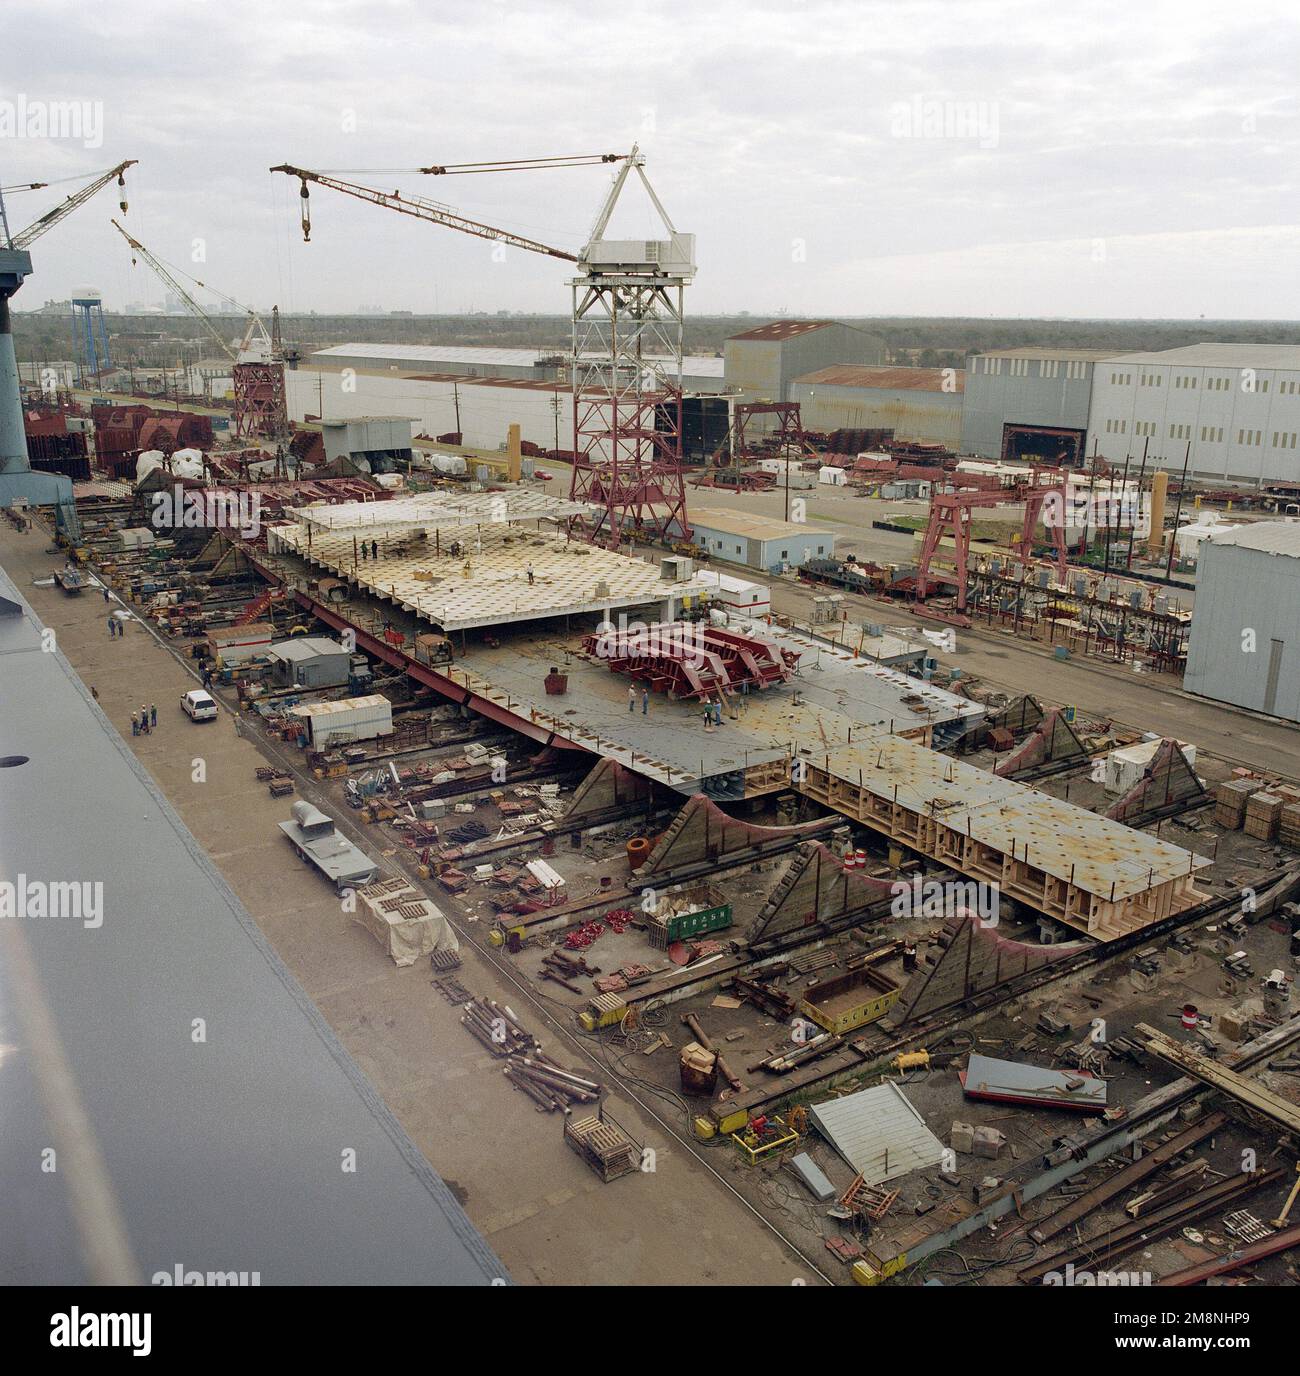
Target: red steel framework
{"points": [[626, 365], [690, 660], [952, 513], [627, 408]]}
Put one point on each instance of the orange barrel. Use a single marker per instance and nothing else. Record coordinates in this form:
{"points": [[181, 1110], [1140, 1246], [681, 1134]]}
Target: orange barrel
{"points": [[638, 852]]}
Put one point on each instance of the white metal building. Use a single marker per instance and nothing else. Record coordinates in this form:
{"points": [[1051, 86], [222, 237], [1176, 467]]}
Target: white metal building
{"points": [[1236, 405], [1245, 641], [1029, 403], [699, 373], [761, 542], [479, 392]]}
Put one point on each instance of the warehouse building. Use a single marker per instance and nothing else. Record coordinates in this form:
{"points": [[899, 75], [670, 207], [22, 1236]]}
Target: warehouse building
{"points": [[920, 404], [1232, 411], [477, 393], [1030, 403], [1245, 640], [759, 542], [699, 374], [762, 363]]}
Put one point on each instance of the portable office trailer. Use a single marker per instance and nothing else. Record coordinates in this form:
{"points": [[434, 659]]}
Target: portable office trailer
{"points": [[352, 719]]}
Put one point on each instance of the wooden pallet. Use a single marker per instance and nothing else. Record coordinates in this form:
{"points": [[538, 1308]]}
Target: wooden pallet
{"points": [[606, 1148]]}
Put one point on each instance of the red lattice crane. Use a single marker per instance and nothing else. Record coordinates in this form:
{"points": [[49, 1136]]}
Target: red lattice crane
{"points": [[257, 366], [626, 356]]}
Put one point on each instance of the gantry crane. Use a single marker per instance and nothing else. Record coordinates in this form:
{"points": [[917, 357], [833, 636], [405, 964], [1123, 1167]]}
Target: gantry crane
{"points": [[625, 364], [18, 484], [257, 367], [952, 513]]}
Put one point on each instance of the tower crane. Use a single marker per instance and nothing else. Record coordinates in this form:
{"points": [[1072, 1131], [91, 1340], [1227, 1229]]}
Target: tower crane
{"points": [[257, 364], [625, 366], [18, 483]]}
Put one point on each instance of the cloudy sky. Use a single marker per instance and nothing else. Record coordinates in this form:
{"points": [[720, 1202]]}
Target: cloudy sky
{"points": [[973, 158]]}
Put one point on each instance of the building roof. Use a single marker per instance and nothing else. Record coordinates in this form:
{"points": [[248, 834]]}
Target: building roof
{"points": [[785, 329], [418, 355], [408, 357], [1209, 355], [1270, 537], [1065, 355], [878, 1133], [889, 379], [749, 524], [211, 1155], [306, 647]]}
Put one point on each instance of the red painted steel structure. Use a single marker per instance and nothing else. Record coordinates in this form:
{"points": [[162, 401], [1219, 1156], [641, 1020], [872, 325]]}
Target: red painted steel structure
{"points": [[953, 513], [686, 660]]}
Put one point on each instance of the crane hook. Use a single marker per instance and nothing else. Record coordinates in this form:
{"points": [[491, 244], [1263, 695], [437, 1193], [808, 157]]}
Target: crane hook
{"points": [[306, 210]]}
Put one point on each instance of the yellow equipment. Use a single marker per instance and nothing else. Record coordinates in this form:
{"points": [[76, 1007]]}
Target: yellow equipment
{"points": [[762, 1136], [912, 1060]]}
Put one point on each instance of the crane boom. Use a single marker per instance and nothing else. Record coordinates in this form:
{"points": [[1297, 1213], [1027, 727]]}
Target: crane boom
{"points": [[25, 238], [170, 280], [416, 206]]}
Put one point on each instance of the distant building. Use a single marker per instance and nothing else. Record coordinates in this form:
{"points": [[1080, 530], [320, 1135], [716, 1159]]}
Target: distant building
{"points": [[1030, 403], [1244, 646], [762, 363], [923, 404], [759, 542], [1231, 410]]}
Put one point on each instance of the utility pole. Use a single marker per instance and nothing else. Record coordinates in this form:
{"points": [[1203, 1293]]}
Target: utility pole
{"points": [[1178, 511], [1132, 526]]}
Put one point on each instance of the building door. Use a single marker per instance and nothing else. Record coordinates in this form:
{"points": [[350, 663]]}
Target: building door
{"points": [[1274, 672]]}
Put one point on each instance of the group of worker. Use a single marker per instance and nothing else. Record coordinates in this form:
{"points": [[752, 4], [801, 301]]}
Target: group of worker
{"points": [[143, 722], [374, 550], [712, 713], [645, 699], [115, 627]]}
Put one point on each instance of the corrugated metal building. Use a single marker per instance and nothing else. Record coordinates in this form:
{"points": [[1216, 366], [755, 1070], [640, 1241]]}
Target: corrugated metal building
{"points": [[922, 404], [1236, 405], [1029, 403], [760, 542], [762, 363], [311, 661], [1244, 647]]}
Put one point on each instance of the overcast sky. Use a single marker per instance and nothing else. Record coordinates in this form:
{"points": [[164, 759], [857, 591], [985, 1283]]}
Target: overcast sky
{"points": [[832, 158]]}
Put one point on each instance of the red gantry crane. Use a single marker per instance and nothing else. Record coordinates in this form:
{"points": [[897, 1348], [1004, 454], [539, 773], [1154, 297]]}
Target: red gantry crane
{"points": [[952, 513], [626, 355], [257, 366]]}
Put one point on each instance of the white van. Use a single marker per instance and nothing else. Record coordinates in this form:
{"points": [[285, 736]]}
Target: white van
{"points": [[198, 705]]}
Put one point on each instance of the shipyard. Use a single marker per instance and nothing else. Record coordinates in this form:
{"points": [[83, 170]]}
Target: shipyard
{"points": [[665, 795]]}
